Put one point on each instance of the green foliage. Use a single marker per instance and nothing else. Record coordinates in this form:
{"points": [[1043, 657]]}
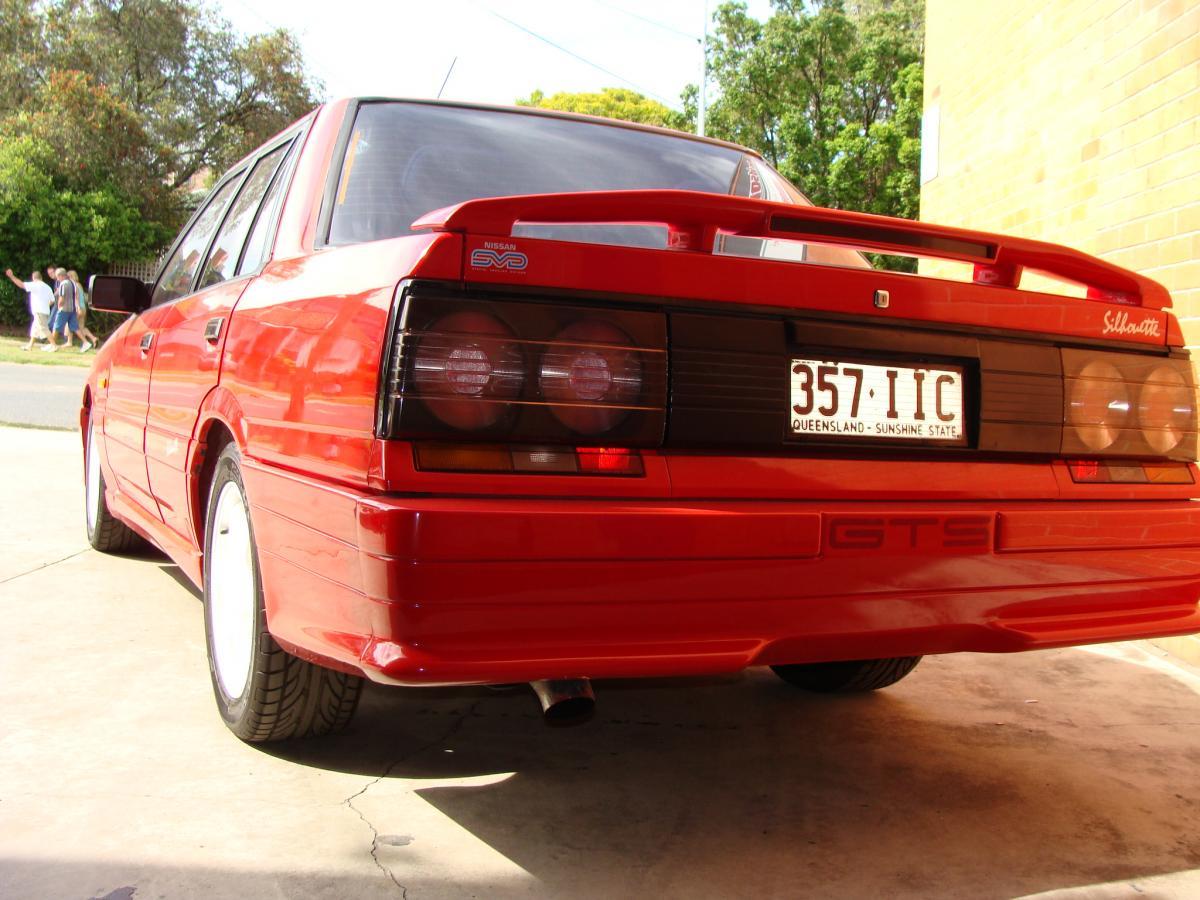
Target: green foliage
{"points": [[204, 95], [44, 222], [109, 109], [829, 93], [611, 103]]}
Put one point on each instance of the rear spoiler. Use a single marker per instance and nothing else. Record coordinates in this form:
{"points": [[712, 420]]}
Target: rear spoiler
{"points": [[694, 219]]}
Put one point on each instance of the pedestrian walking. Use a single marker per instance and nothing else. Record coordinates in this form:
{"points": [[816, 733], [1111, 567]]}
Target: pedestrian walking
{"points": [[68, 319], [41, 298], [52, 280], [81, 307]]}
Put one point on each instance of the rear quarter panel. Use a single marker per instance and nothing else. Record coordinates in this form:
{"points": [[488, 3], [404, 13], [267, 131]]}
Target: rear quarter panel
{"points": [[304, 347]]}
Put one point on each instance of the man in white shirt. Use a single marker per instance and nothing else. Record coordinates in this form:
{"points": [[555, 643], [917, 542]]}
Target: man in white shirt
{"points": [[40, 300]]}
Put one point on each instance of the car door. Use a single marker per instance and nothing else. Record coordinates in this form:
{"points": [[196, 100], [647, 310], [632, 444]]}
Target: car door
{"points": [[129, 376], [190, 337], [125, 411]]}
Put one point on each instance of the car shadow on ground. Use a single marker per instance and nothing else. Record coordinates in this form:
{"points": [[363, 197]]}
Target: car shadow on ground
{"points": [[176, 575], [954, 783]]}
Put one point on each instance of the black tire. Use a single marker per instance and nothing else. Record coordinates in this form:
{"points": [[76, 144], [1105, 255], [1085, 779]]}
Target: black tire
{"points": [[281, 697], [848, 677], [105, 532]]}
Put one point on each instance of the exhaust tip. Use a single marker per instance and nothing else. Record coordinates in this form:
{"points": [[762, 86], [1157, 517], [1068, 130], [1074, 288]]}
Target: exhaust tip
{"points": [[567, 701]]}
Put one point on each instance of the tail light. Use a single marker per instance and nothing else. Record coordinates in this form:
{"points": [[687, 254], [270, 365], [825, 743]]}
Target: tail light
{"points": [[468, 368], [592, 375], [523, 373], [1166, 409], [1119, 404], [1098, 405]]}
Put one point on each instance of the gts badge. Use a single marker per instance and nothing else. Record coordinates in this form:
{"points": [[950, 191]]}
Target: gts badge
{"points": [[499, 256], [907, 534]]}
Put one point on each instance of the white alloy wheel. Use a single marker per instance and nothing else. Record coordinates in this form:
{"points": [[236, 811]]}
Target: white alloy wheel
{"points": [[231, 595], [263, 692], [92, 480]]}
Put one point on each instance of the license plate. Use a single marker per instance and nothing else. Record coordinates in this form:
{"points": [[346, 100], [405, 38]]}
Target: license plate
{"points": [[842, 399]]}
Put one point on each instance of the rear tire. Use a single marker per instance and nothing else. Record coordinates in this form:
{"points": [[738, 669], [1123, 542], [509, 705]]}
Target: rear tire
{"points": [[105, 532], [262, 691], [848, 677]]}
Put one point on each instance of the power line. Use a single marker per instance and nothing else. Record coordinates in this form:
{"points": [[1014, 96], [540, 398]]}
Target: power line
{"points": [[575, 55], [657, 24]]}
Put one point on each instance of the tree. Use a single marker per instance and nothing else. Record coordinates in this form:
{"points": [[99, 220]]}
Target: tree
{"points": [[829, 94], [611, 103], [109, 107], [204, 95], [44, 221], [21, 38]]}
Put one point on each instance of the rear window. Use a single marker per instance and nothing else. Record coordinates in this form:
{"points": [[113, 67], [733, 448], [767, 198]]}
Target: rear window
{"points": [[406, 159]]}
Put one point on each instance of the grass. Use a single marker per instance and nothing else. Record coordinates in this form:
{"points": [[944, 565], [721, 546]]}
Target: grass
{"points": [[11, 352]]}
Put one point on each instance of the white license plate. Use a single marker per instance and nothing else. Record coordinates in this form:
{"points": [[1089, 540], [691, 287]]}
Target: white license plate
{"points": [[841, 399]]}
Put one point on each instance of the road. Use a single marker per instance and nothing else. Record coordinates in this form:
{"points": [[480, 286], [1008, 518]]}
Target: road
{"points": [[45, 396], [1075, 772]]}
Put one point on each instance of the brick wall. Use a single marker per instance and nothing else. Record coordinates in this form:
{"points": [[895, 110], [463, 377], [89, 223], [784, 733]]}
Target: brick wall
{"points": [[1073, 121]]}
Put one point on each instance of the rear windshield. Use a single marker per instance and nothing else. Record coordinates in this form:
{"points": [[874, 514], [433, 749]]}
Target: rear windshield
{"points": [[406, 159]]}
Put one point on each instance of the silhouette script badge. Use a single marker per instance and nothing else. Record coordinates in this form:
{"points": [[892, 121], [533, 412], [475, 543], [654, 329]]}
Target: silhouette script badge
{"points": [[498, 255], [1120, 323]]}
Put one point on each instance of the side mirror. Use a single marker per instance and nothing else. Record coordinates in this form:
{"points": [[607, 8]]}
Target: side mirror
{"points": [[118, 293]]}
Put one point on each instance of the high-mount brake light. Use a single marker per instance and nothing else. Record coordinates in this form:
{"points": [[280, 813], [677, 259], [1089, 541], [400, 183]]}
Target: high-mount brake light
{"points": [[466, 367], [591, 374]]}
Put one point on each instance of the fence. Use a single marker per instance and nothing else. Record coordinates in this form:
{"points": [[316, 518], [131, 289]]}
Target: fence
{"points": [[145, 270]]}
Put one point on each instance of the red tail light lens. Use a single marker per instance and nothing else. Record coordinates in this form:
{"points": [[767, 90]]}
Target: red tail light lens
{"points": [[521, 371], [592, 375], [1166, 409], [1098, 404], [467, 368], [1128, 404]]}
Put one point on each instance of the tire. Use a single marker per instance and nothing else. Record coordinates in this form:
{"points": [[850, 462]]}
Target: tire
{"points": [[263, 692], [849, 677], [105, 532]]}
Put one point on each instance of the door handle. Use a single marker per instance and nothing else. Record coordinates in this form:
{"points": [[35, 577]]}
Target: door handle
{"points": [[212, 331], [147, 340]]}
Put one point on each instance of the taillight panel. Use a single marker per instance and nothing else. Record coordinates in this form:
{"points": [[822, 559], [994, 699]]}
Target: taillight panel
{"points": [[1124, 404], [537, 380], [524, 372]]}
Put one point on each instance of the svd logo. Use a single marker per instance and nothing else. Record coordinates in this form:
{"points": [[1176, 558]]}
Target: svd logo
{"points": [[498, 259]]}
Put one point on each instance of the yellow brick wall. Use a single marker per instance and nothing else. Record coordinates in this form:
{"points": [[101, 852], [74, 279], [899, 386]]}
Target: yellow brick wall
{"points": [[1072, 121]]}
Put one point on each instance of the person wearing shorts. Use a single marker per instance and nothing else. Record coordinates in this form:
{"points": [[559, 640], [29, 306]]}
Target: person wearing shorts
{"points": [[81, 308], [68, 319], [41, 298]]}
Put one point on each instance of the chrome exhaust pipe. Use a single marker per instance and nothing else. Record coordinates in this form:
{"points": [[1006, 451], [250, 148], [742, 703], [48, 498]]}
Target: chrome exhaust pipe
{"points": [[565, 701]]}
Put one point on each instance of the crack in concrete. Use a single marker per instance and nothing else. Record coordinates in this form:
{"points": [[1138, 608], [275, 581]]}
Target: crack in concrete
{"points": [[391, 767], [46, 565]]}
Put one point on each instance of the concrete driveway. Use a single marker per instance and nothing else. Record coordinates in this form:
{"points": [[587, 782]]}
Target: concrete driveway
{"points": [[978, 776]]}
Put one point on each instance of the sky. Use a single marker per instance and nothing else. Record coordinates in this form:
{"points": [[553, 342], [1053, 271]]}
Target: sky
{"points": [[501, 50]]}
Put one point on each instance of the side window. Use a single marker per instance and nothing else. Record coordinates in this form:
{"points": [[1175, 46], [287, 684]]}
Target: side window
{"points": [[256, 248], [181, 268], [223, 259]]}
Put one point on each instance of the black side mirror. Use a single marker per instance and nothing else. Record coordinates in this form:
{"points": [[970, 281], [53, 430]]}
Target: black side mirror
{"points": [[118, 293]]}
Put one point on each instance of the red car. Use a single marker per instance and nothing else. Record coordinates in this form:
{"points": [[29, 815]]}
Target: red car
{"points": [[432, 394]]}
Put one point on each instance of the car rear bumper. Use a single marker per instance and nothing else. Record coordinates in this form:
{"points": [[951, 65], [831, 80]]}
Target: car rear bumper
{"points": [[422, 590]]}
